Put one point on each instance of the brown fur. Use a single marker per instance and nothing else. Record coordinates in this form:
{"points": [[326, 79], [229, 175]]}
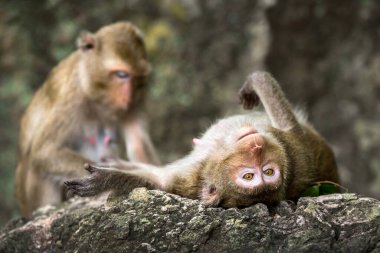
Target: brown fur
{"points": [[82, 90], [279, 140]]}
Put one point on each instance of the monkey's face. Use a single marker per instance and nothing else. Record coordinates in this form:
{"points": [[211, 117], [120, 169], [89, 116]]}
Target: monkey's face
{"points": [[113, 67], [222, 138], [122, 86], [253, 171]]}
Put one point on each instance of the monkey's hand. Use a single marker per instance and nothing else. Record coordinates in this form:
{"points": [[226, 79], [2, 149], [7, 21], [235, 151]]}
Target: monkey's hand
{"points": [[98, 181], [247, 95]]}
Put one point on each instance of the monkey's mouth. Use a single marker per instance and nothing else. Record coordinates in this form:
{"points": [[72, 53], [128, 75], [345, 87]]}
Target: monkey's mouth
{"points": [[252, 141], [250, 132]]}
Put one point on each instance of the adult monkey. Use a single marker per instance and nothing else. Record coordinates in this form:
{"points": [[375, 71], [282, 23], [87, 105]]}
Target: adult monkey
{"points": [[90, 99]]}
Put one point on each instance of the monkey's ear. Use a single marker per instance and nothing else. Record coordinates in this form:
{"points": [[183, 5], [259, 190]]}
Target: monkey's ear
{"points": [[86, 41], [209, 195]]}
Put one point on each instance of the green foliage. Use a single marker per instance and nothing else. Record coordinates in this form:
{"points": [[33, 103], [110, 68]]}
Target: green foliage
{"points": [[322, 188]]}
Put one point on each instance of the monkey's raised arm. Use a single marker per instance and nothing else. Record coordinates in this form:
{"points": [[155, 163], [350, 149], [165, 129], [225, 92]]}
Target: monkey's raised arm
{"points": [[262, 86]]}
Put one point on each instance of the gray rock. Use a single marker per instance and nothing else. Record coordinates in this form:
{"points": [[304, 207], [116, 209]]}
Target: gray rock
{"points": [[154, 221]]}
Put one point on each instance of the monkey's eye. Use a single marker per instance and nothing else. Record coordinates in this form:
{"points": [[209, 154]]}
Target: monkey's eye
{"points": [[269, 172], [122, 74], [248, 176]]}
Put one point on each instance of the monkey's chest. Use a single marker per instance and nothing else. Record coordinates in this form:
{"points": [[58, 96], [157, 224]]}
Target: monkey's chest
{"points": [[99, 143]]}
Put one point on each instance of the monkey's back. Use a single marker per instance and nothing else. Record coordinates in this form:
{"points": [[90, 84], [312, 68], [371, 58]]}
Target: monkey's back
{"points": [[43, 115], [43, 126]]}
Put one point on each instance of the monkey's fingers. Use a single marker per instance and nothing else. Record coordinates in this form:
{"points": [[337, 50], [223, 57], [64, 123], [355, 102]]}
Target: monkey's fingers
{"points": [[248, 96], [80, 193], [249, 100], [71, 183], [82, 188], [71, 187]]}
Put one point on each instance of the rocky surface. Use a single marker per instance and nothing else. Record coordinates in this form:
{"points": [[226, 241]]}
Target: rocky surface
{"points": [[154, 221]]}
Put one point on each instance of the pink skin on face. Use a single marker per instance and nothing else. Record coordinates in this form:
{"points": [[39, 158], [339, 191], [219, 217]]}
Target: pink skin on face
{"points": [[126, 91], [255, 143], [259, 177]]}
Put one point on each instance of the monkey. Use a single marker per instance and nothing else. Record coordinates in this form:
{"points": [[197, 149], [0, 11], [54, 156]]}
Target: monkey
{"points": [[100, 144], [90, 105], [266, 156]]}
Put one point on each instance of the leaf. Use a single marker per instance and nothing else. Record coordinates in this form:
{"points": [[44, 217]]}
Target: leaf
{"points": [[326, 188], [322, 188], [312, 191]]}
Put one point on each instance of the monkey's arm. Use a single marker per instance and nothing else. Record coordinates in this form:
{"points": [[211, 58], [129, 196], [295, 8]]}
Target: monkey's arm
{"points": [[262, 86], [50, 153], [59, 162], [104, 178], [121, 176], [139, 146]]}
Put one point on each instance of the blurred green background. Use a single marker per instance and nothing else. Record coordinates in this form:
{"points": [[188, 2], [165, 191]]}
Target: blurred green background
{"points": [[326, 55]]}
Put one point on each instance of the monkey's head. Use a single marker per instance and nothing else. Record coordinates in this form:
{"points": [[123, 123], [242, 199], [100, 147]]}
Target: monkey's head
{"points": [[113, 66], [251, 168]]}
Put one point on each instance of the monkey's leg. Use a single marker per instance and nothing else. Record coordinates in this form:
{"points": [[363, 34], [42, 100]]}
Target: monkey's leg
{"points": [[39, 191], [266, 88]]}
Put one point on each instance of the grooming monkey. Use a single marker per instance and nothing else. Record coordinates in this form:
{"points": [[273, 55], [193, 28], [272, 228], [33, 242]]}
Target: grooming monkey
{"points": [[89, 106], [239, 161]]}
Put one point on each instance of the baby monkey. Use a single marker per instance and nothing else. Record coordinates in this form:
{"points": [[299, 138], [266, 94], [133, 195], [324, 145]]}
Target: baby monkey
{"points": [[239, 161]]}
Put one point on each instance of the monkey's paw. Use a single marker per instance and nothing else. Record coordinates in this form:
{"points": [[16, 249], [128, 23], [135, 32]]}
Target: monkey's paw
{"points": [[88, 186], [248, 96]]}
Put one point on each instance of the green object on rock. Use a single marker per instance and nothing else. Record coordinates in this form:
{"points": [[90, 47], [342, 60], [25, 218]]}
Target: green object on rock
{"points": [[321, 188]]}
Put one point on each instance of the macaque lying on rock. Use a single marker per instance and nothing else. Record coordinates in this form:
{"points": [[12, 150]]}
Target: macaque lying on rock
{"points": [[241, 160]]}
